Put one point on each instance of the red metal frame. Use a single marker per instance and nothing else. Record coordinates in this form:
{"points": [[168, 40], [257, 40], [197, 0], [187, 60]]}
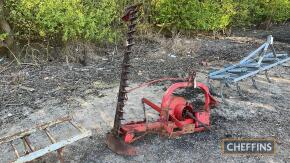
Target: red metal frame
{"points": [[172, 122]]}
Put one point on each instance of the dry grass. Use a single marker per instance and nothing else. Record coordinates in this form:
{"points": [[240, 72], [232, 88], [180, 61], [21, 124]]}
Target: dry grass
{"points": [[177, 45]]}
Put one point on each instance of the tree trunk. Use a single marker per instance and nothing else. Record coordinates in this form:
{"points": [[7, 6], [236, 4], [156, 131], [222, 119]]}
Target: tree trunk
{"points": [[5, 27]]}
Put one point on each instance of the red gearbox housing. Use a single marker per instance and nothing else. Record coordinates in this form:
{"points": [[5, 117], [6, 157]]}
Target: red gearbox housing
{"points": [[177, 115]]}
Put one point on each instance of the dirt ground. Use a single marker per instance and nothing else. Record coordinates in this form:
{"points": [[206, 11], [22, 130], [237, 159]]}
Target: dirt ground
{"points": [[32, 95]]}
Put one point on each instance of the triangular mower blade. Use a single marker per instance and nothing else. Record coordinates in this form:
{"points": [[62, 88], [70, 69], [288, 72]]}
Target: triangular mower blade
{"points": [[120, 147]]}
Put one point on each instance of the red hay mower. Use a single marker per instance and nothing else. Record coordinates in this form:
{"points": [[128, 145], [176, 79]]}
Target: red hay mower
{"points": [[177, 115]]}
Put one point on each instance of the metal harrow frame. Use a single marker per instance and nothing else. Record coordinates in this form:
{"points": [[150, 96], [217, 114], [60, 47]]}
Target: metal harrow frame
{"points": [[31, 152], [260, 60]]}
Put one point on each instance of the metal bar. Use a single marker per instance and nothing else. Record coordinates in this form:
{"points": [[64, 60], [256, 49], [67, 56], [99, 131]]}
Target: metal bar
{"points": [[222, 70], [261, 69], [26, 132], [252, 54], [260, 60], [47, 131], [60, 155], [59, 151], [15, 150], [273, 50], [238, 70], [152, 105], [52, 147], [270, 55], [77, 126], [269, 59], [28, 143], [263, 54], [193, 117], [26, 151], [251, 65], [246, 76]]}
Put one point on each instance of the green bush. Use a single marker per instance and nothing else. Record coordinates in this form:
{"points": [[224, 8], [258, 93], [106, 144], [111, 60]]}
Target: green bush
{"points": [[208, 15], [68, 20], [213, 15], [251, 12], [273, 10], [3, 36], [88, 20]]}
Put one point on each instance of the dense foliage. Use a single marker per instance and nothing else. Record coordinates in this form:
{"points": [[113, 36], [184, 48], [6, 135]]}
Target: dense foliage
{"points": [[68, 20], [194, 14], [212, 15], [251, 12], [96, 20]]}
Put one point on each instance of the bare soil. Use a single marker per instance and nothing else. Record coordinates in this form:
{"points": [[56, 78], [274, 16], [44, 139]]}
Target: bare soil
{"points": [[31, 95]]}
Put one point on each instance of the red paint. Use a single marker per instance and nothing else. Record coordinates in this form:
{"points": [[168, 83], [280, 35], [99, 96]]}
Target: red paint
{"points": [[172, 121]]}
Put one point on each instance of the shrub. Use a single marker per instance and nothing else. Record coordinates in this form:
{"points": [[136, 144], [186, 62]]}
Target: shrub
{"points": [[89, 20], [251, 12], [68, 20], [213, 15], [3, 36], [208, 15], [274, 10]]}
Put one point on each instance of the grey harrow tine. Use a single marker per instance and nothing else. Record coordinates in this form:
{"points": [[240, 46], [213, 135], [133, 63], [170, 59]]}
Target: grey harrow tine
{"points": [[239, 90], [254, 83], [267, 76]]}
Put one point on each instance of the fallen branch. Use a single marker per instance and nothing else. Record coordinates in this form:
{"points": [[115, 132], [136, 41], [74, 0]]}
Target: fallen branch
{"points": [[18, 62], [27, 88], [6, 67], [13, 104]]}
